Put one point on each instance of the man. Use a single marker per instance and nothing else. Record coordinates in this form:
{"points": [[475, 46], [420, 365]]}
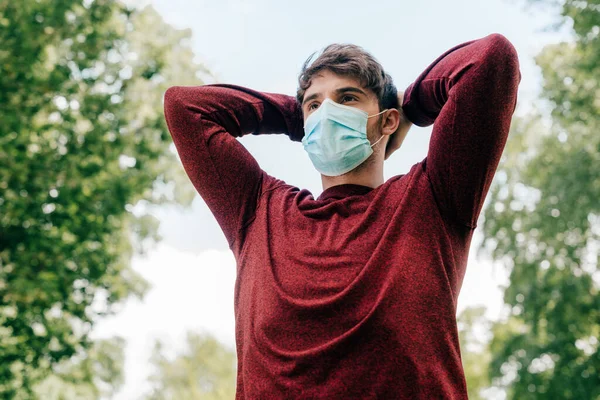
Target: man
{"points": [[352, 295]]}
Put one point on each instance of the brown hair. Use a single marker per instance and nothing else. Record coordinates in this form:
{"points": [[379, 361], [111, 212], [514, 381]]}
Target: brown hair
{"points": [[350, 60]]}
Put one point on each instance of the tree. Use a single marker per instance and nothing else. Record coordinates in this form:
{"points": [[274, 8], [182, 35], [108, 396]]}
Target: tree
{"points": [[82, 141], [94, 373], [205, 370], [543, 222]]}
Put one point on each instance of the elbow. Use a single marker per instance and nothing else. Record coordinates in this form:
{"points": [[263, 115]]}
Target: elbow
{"points": [[195, 99], [183, 105], [181, 102], [172, 99], [502, 55], [500, 46], [177, 111]]}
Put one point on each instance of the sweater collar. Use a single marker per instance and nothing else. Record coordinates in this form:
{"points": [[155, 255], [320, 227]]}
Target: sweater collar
{"points": [[344, 190]]}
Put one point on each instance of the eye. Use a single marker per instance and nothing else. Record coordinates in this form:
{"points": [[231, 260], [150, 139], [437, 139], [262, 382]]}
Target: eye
{"points": [[348, 97], [310, 106]]}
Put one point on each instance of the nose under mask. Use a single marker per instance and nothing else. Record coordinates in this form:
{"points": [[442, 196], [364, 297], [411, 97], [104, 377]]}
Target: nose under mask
{"points": [[335, 138]]}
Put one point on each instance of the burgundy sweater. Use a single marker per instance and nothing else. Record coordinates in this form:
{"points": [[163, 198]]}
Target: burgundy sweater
{"points": [[352, 295]]}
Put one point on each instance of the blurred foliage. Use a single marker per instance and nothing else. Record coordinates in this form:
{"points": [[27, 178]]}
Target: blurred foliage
{"points": [[543, 223], [84, 153], [95, 373], [475, 354], [206, 370]]}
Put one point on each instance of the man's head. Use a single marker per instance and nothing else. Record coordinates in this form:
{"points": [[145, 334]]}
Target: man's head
{"points": [[350, 61], [349, 75]]}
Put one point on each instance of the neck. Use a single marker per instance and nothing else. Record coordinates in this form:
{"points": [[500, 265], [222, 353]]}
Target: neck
{"points": [[369, 173]]}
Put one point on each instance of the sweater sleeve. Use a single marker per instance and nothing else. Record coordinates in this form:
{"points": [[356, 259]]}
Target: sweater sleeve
{"points": [[469, 93], [204, 122]]}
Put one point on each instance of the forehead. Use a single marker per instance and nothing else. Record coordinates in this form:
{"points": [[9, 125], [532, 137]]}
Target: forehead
{"points": [[327, 81]]}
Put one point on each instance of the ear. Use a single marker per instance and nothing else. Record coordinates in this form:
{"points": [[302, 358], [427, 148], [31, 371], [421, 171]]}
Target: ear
{"points": [[391, 121]]}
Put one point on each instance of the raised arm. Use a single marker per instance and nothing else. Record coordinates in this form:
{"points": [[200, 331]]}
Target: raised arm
{"points": [[470, 94], [204, 122]]}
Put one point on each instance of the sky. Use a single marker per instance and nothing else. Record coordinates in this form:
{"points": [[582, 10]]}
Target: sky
{"points": [[262, 44]]}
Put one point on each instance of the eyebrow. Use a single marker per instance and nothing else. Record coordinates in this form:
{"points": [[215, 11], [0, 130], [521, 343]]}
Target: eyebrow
{"points": [[337, 91]]}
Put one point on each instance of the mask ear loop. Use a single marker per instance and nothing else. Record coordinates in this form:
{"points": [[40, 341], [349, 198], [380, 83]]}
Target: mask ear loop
{"points": [[374, 115], [377, 141]]}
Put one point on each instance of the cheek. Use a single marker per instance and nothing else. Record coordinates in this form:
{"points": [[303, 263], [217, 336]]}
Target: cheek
{"points": [[373, 127]]}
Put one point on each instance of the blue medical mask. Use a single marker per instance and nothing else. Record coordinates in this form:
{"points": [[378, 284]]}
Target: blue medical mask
{"points": [[335, 138]]}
